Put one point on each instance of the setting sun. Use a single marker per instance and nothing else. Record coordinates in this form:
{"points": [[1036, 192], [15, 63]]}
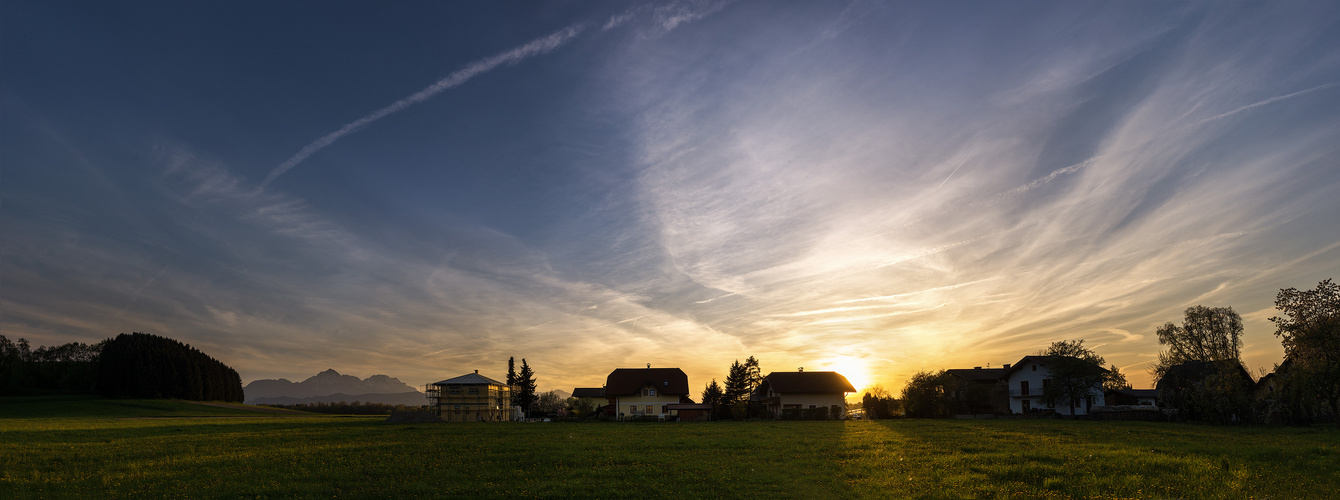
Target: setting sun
{"points": [[855, 369]]}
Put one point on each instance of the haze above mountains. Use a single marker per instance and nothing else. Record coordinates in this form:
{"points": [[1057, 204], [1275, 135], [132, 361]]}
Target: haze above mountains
{"points": [[329, 387]]}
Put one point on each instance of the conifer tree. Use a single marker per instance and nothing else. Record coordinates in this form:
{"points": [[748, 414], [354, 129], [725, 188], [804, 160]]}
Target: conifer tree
{"points": [[511, 379], [525, 382]]}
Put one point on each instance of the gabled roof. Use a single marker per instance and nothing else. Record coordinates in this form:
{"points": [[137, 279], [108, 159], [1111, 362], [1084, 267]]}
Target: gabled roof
{"points": [[1041, 360], [980, 375], [469, 379], [805, 383], [629, 381], [588, 392], [1191, 371]]}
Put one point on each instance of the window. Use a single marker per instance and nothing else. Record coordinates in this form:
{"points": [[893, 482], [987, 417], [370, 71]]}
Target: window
{"points": [[649, 392], [1034, 367], [632, 409], [1023, 387], [453, 390], [1028, 405], [649, 409], [664, 409], [1046, 382], [811, 407], [474, 390]]}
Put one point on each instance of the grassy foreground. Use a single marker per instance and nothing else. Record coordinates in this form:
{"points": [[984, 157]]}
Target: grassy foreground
{"points": [[221, 452]]}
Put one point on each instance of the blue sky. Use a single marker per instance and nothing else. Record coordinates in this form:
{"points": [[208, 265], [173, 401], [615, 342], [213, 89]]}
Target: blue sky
{"points": [[424, 189]]}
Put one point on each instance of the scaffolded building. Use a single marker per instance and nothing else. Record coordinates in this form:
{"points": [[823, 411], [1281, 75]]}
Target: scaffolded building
{"points": [[470, 398]]}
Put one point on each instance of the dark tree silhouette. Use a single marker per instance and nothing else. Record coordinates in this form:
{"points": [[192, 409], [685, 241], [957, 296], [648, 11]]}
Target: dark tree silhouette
{"points": [[1207, 334], [924, 395], [525, 382], [140, 365], [1310, 332], [1075, 371]]}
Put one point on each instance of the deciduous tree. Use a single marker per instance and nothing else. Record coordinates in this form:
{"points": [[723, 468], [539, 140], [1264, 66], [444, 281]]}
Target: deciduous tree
{"points": [[1206, 334], [1075, 372], [1310, 332], [924, 395]]}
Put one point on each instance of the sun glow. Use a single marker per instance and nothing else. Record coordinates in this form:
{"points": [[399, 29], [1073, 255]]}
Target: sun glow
{"points": [[855, 369]]}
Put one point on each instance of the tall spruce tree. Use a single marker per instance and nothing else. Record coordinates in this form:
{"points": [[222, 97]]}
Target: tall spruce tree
{"points": [[737, 385], [525, 391], [511, 379], [753, 373]]}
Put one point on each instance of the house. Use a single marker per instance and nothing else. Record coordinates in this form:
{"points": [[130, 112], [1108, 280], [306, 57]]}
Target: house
{"points": [[1032, 375], [1131, 397], [1207, 390], [784, 392], [593, 395], [978, 391], [691, 412], [470, 398], [646, 392]]}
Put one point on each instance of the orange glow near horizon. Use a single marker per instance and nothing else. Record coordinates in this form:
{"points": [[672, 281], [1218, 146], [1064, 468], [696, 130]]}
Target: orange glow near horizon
{"points": [[855, 369]]}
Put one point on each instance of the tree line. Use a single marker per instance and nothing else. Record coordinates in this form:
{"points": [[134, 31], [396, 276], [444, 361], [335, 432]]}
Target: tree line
{"points": [[348, 408], [1200, 374], [136, 365]]}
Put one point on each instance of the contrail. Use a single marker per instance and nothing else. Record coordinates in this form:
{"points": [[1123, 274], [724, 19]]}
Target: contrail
{"points": [[1270, 100], [534, 48], [951, 174]]}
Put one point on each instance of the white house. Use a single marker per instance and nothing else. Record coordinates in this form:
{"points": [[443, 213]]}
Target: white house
{"points": [[646, 392], [802, 390], [1030, 376]]}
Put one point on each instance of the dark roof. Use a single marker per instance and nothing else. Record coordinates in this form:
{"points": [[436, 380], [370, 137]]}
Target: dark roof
{"points": [[1199, 370], [805, 383], [628, 381], [469, 379], [1137, 393], [982, 375], [588, 392], [1041, 360]]}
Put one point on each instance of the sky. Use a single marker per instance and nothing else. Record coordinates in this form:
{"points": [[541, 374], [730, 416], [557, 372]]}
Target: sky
{"points": [[424, 189]]}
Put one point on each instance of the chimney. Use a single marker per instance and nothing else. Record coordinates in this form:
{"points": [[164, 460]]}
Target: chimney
{"points": [[476, 372], [801, 369], [648, 366]]}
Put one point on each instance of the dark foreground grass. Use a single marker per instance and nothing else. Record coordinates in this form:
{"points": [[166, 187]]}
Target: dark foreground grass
{"points": [[95, 456]]}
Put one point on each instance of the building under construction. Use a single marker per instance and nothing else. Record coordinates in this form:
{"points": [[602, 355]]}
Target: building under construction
{"points": [[470, 398]]}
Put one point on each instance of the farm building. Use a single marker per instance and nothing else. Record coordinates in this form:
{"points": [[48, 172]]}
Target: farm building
{"points": [[782, 392], [980, 391], [471, 398]]}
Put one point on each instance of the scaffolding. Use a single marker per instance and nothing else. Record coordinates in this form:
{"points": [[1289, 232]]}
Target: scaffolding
{"points": [[470, 398]]}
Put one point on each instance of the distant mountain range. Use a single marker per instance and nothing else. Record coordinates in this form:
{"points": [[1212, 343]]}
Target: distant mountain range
{"points": [[330, 387], [405, 398]]}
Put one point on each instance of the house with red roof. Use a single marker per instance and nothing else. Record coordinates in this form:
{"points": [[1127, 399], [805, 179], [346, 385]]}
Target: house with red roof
{"points": [[646, 392]]}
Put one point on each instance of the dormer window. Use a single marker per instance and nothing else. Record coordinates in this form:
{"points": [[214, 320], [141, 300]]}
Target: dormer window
{"points": [[649, 392]]}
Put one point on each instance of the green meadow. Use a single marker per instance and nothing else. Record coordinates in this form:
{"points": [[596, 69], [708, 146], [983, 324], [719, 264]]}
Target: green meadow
{"points": [[72, 447]]}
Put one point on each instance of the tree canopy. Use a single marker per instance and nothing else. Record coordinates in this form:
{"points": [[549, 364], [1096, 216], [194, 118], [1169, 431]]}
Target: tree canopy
{"points": [[1309, 328], [1075, 372], [1206, 334], [924, 395], [140, 365]]}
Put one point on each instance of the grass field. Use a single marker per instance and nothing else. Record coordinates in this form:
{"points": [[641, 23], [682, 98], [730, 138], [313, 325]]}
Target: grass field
{"points": [[96, 448]]}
